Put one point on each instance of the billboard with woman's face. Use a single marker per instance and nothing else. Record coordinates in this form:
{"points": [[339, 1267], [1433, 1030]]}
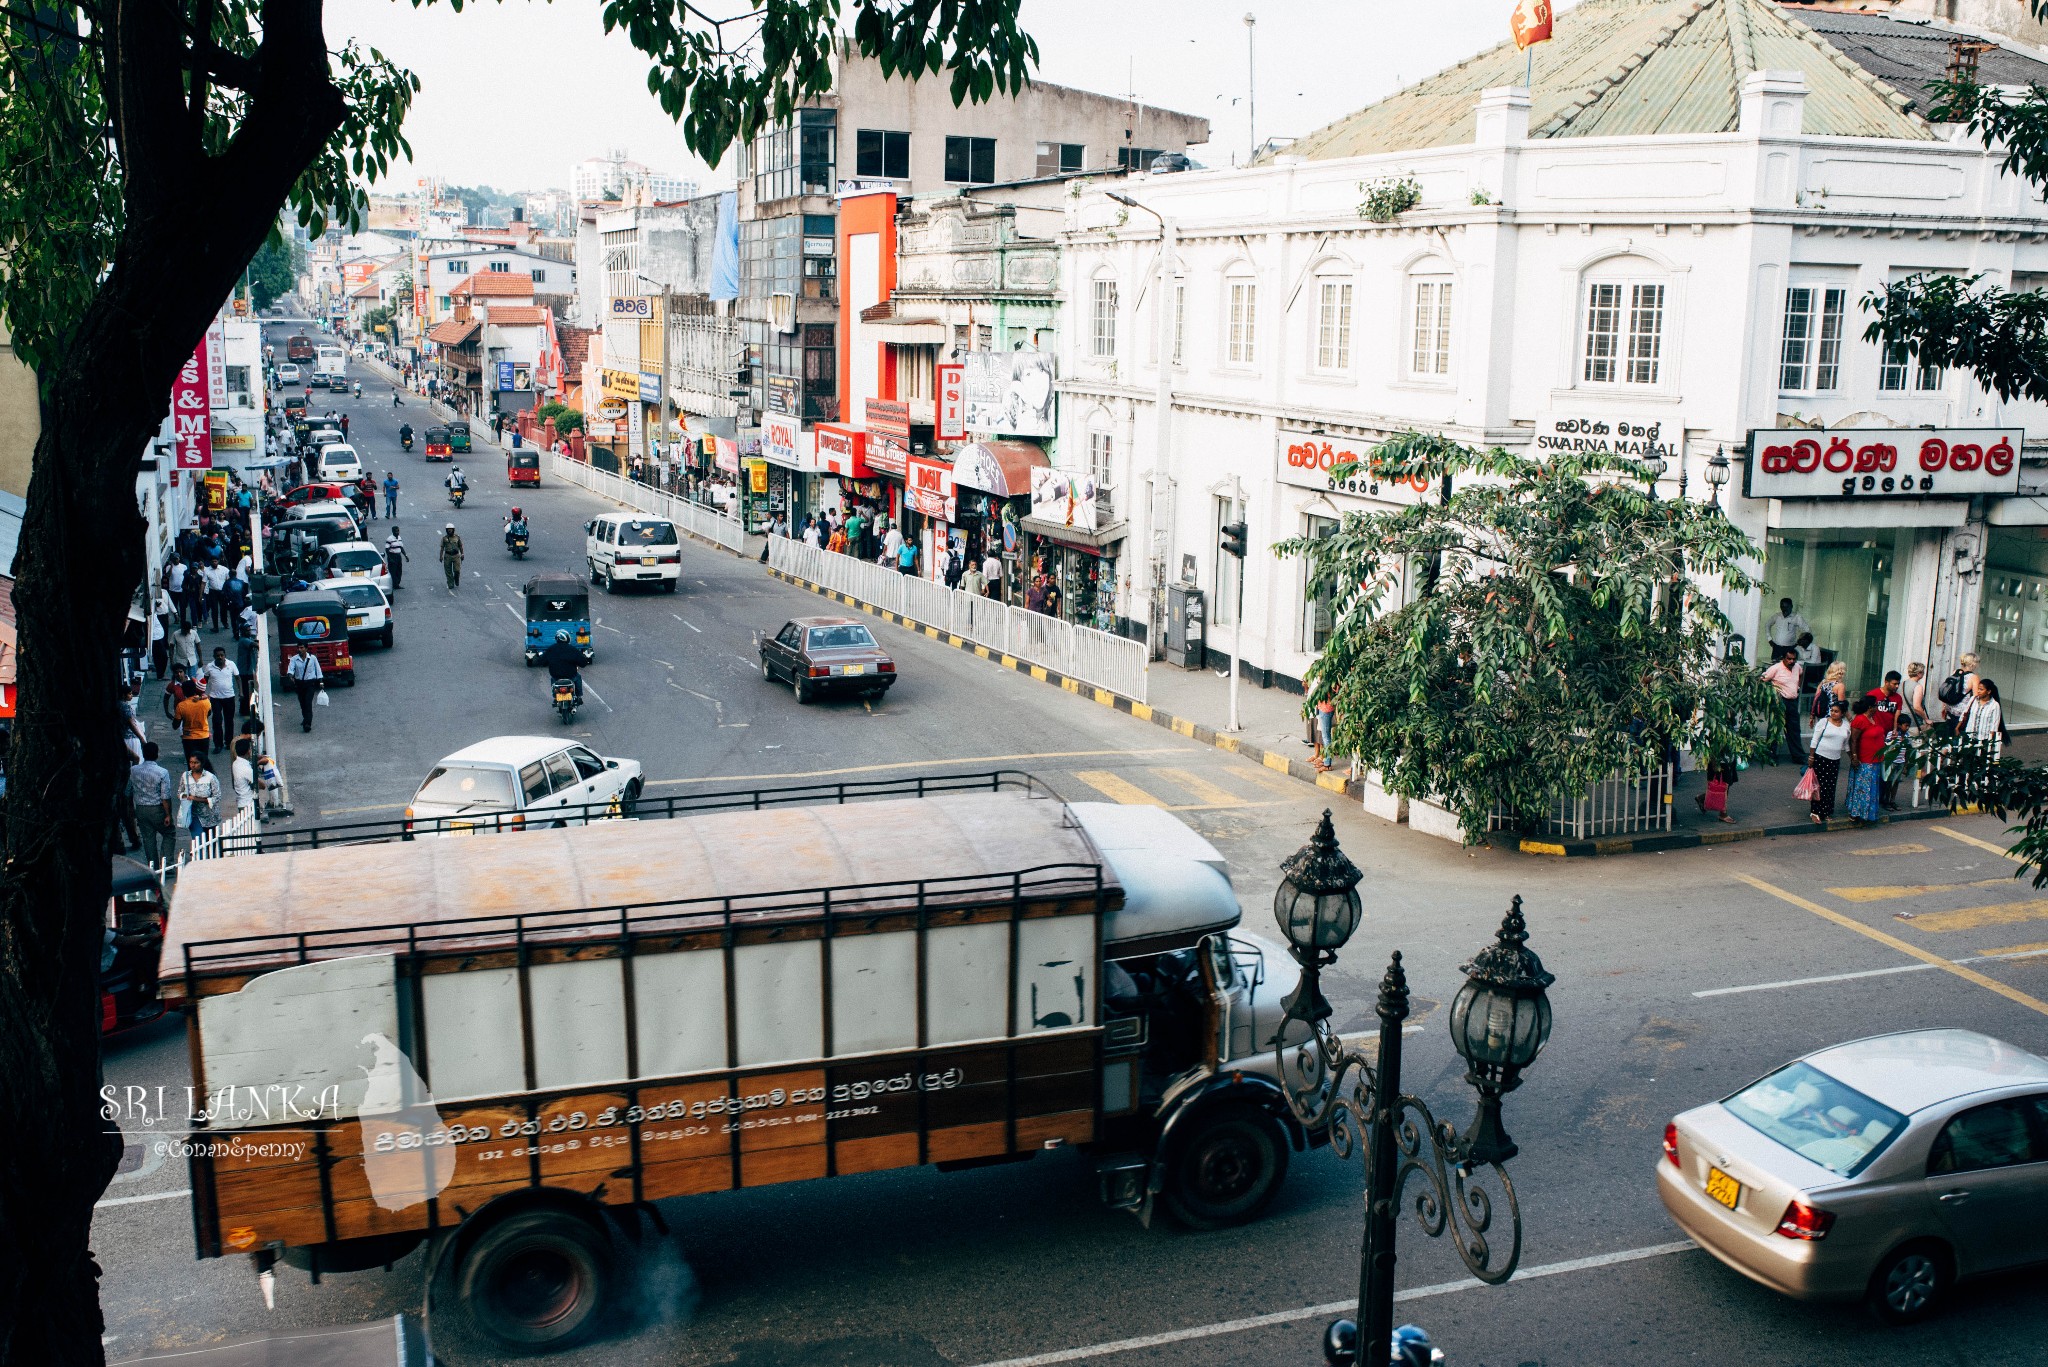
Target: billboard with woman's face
{"points": [[1010, 393]]}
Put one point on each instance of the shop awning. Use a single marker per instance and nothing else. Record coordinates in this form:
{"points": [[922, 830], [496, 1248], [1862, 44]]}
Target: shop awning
{"points": [[1002, 468], [1074, 536], [907, 332]]}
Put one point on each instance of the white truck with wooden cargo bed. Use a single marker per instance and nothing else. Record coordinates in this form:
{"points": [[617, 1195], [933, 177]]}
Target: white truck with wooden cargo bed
{"points": [[512, 1045]]}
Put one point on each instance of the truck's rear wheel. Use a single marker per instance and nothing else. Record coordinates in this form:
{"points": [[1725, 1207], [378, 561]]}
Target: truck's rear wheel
{"points": [[1226, 1168], [535, 1282]]}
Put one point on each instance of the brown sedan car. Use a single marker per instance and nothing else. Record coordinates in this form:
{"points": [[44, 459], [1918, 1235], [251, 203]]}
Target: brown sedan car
{"points": [[824, 655]]}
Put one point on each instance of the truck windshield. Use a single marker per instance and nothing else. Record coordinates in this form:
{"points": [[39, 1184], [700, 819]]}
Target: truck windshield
{"points": [[462, 786]]}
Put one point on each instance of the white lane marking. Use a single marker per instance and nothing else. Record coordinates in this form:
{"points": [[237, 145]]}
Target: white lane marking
{"points": [[1866, 973], [691, 625], [663, 663], [516, 615], [595, 694], [138, 1200], [1316, 1312], [613, 630]]}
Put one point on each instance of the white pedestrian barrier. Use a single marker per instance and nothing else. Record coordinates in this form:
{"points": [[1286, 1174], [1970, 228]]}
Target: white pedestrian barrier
{"points": [[705, 523], [1116, 663]]}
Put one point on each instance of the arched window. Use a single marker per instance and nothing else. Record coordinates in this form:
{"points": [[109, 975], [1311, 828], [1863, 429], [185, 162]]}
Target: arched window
{"points": [[1430, 292], [1102, 316], [1241, 316], [1334, 290]]}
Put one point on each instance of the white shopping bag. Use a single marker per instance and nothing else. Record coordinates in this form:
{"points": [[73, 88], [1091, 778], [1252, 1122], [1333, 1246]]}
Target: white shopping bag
{"points": [[320, 699]]}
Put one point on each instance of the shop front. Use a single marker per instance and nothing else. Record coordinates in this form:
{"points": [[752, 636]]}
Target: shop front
{"points": [[2012, 625], [929, 509], [1074, 542], [992, 497], [1873, 533], [792, 468]]}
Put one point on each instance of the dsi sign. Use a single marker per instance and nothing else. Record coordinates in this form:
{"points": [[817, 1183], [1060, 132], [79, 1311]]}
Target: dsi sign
{"points": [[1883, 462]]}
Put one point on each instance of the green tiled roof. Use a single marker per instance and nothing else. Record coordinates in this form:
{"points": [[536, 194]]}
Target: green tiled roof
{"points": [[1625, 68]]}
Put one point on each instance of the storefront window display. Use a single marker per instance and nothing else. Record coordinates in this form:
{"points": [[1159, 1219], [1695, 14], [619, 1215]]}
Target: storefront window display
{"points": [[1841, 581], [2012, 629], [1083, 583]]}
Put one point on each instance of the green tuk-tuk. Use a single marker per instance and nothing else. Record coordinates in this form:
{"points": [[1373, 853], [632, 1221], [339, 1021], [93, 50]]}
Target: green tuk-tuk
{"points": [[458, 435]]}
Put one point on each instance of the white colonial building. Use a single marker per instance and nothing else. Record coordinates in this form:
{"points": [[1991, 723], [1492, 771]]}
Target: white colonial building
{"points": [[1671, 232]]}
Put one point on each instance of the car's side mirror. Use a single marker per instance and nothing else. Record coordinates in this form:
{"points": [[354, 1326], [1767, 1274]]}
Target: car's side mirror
{"points": [[611, 764], [589, 527]]}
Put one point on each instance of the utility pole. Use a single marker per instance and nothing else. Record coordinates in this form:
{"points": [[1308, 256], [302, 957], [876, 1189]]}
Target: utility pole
{"points": [[1251, 84], [1164, 313]]}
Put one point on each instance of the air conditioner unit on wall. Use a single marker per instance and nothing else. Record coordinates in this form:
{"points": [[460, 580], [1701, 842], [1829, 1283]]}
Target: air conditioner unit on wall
{"points": [[782, 312]]}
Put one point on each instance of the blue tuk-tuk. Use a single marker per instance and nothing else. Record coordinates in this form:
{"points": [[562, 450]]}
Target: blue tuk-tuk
{"points": [[557, 602]]}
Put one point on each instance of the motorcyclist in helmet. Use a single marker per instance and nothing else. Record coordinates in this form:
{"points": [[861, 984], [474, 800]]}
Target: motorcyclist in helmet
{"points": [[456, 479], [405, 434], [564, 661], [359, 389], [515, 525]]}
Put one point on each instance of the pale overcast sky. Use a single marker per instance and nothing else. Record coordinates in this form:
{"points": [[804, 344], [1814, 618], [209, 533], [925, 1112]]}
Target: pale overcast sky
{"points": [[513, 94]]}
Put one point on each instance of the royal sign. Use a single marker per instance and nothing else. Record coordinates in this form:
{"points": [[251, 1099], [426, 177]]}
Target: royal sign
{"points": [[1308, 460], [1883, 462]]}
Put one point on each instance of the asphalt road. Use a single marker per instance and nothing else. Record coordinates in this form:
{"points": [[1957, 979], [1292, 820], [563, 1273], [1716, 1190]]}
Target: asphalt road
{"points": [[1680, 977]]}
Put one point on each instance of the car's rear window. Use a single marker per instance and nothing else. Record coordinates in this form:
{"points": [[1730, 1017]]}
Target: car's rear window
{"points": [[847, 637], [1817, 1117], [357, 560], [647, 534], [463, 786], [361, 595]]}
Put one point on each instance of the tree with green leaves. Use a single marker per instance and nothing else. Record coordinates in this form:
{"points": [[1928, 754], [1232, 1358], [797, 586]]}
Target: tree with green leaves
{"points": [[1555, 632], [271, 273], [146, 152]]}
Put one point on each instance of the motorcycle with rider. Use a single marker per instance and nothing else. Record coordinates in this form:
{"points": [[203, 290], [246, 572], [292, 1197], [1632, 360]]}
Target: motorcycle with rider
{"points": [[516, 534], [565, 675]]}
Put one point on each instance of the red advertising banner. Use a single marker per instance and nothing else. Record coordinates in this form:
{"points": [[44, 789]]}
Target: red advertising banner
{"points": [[950, 414], [191, 418]]}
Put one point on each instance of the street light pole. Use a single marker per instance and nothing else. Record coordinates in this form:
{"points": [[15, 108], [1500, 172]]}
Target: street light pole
{"points": [[1499, 1021], [1162, 418]]}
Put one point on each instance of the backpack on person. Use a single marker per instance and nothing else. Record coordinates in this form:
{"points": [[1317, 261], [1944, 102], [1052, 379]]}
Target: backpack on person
{"points": [[1951, 690]]}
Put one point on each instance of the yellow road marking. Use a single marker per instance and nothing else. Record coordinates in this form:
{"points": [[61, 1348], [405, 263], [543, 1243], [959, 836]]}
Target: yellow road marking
{"points": [[1141, 711], [1907, 848], [1972, 918], [1203, 790], [2033, 948], [1912, 951], [908, 764], [1998, 850], [1117, 788], [1885, 894]]}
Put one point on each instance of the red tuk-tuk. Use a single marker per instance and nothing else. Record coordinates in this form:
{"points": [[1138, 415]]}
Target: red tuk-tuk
{"points": [[318, 620], [523, 466], [438, 447]]}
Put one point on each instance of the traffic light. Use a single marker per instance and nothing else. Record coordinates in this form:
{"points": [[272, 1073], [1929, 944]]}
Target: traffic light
{"points": [[1234, 539], [265, 591]]}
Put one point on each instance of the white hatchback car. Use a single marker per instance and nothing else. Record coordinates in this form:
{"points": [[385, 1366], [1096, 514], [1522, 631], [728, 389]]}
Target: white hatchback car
{"points": [[369, 608], [338, 464], [633, 547], [510, 782], [288, 373], [354, 560]]}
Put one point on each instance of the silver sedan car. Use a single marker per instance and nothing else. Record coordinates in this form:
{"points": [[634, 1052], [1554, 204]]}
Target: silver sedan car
{"points": [[1885, 1169]]}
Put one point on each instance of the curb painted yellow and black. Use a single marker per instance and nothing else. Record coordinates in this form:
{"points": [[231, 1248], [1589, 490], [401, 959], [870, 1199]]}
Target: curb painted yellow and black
{"points": [[1649, 843]]}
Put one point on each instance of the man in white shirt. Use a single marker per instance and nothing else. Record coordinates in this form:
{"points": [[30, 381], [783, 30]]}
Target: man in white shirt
{"points": [[219, 676], [216, 576], [304, 672], [892, 542], [992, 574], [1786, 628]]}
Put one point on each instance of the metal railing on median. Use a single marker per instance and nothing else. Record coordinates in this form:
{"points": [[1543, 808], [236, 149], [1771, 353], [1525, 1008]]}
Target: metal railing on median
{"points": [[1623, 803], [697, 520], [1116, 663]]}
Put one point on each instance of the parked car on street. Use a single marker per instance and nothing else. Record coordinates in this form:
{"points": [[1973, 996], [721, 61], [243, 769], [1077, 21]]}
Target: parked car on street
{"points": [[353, 560], [316, 493], [1885, 1169], [369, 608], [819, 655], [630, 547], [513, 781]]}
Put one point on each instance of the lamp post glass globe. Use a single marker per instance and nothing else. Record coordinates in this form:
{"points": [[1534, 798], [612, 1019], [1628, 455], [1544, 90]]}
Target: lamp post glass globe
{"points": [[1500, 1021], [1316, 907], [1718, 468]]}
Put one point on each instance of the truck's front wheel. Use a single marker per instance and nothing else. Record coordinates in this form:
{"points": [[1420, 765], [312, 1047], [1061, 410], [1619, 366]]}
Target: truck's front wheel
{"points": [[1226, 1168], [535, 1282]]}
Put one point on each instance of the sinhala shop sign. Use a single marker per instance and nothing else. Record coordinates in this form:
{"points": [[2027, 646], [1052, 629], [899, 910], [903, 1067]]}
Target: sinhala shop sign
{"points": [[1308, 460], [1883, 462]]}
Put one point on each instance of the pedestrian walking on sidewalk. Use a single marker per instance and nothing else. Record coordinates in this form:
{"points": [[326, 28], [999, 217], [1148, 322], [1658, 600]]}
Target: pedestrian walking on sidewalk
{"points": [[1833, 690], [198, 798], [1824, 762], [195, 716], [1326, 721], [222, 692], [304, 672], [1866, 747], [395, 558], [150, 791], [1784, 677], [451, 557]]}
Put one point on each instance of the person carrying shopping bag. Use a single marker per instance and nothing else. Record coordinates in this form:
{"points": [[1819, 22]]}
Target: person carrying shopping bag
{"points": [[1823, 763]]}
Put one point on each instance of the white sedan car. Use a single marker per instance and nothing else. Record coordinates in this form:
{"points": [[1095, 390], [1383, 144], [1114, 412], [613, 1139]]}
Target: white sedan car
{"points": [[511, 782], [355, 560], [369, 608]]}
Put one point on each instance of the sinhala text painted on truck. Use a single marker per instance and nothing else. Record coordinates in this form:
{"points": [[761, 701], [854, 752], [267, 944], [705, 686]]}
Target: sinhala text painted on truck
{"points": [[444, 1044]]}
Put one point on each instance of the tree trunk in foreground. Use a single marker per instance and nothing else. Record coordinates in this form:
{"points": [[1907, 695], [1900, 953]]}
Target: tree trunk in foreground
{"points": [[192, 222]]}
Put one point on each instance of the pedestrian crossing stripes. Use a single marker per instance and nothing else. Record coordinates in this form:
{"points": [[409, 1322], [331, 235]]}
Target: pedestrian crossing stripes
{"points": [[1208, 796]]}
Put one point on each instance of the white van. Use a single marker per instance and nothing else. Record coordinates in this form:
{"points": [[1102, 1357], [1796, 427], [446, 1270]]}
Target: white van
{"points": [[625, 547], [338, 464]]}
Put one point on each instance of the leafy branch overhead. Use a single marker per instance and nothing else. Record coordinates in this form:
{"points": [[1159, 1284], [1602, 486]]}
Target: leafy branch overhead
{"points": [[1551, 627]]}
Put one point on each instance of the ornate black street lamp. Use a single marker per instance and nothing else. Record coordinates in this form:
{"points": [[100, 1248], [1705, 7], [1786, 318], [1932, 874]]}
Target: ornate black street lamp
{"points": [[1499, 1019], [1718, 471]]}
